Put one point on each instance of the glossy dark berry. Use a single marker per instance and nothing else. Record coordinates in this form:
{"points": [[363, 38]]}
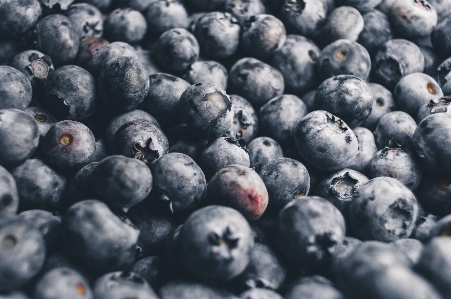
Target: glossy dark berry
{"points": [[9, 197], [207, 71], [279, 117], [123, 83], [304, 19], [376, 31], [102, 55], [395, 125], [346, 96], [178, 180], [70, 93], [383, 209], [223, 152], [86, 19], [163, 15], [382, 104], [367, 148], [90, 232], [163, 97], [116, 285], [297, 62], [309, 231], [263, 150], [19, 137], [207, 110], [18, 17], [325, 141], [256, 81], [15, 88], [176, 50], [215, 243], [314, 286], [125, 25], [239, 187], [22, 253], [242, 10], [142, 140], [414, 18], [56, 36], [218, 34]]}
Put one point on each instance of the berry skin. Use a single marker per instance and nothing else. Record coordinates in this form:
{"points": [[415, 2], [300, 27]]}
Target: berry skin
{"points": [[15, 89], [241, 188]]}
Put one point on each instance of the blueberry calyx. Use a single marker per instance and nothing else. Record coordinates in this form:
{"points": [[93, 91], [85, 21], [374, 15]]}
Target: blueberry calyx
{"points": [[144, 152], [439, 105], [295, 5], [259, 283], [337, 121], [345, 186], [66, 139], [9, 242], [393, 146]]}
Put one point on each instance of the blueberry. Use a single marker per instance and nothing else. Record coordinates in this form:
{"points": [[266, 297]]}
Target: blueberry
{"points": [[286, 179], [22, 253], [442, 228], [186, 289], [263, 150], [90, 232], [15, 89], [218, 34], [344, 22], [63, 283], [215, 243], [430, 142], [54, 6], [242, 10], [376, 31], [263, 271], [383, 209], [302, 18], [415, 90], [47, 223], [239, 187], [163, 15], [207, 110], [339, 188], [155, 223], [344, 57], [18, 17], [207, 71], [15, 295], [176, 50], [70, 93], [152, 269], [121, 181], [313, 287], [68, 146], [367, 148], [345, 96], [262, 36], [325, 141], [43, 118], [256, 81], [396, 125], [411, 247], [86, 19], [117, 122], [431, 192], [309, 231], [118, 285], [345, 248], [88, 46], [382, 104], [125, 25], [163, 97], [36, 67], [279, 118], [39, 186], [443, 8], [142, 140], [9, 47], [81, 186], [297, 61], [56, 36], [413, 19], [437, 254], [397, 58], [434, 106], [443, 76], [122, 84], [245, 121], [102, 5], [223, 152], [260, 293], [147, 60], [19, 137], [9, 196], [104, 54], [177, 179]]}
